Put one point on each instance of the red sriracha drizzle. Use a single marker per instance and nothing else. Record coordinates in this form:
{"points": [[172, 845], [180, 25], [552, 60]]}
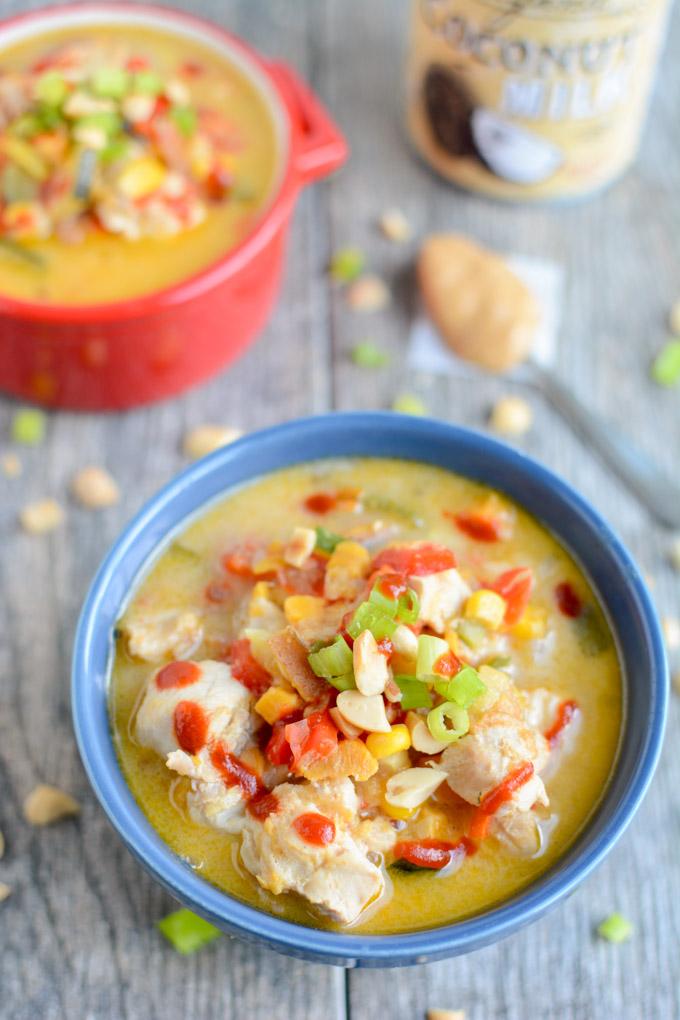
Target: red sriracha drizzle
{"points": [[515, 586], [392, 585], [492, 800], [177, 674], [433, 853], [416, 561], [191, 726], [565, 713], [235, 772], [315, 829], [263, 806], [568, 602], [246, 669], [321, 502], [385, 647], [447, 665]]}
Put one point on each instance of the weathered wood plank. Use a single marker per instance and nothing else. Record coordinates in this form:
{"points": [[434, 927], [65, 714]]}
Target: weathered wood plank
{"points": [[78, 935]]}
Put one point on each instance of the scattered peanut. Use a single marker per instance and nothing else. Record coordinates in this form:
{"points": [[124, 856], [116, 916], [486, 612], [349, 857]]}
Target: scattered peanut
{"points": [[674, 318], [42, 516], [671, 632], [202, 440], [446, 1014], [412, 787], [11, 465], [2, 844], [47, 804], [511, 416], [95, 488], [395, 226], [368, 294], [5, 891], [676, 683], [674, 553]]}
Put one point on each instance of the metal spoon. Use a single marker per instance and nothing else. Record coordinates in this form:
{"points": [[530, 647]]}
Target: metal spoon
{"points": [[659, 494]]}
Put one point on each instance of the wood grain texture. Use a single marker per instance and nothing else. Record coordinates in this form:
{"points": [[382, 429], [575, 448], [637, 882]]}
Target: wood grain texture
{"points": [[77, 935]]}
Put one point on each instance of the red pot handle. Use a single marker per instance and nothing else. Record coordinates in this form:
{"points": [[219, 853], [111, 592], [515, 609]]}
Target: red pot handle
{"points": [[317, 145]]}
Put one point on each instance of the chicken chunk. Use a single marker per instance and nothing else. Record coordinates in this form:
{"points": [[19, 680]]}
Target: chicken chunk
{"points": [[441, 597], [336, 878], [540, 707], [223, 701], [153, 638], [210, 801]]}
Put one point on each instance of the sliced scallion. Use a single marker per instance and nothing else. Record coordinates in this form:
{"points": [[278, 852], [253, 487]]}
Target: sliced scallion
{"points": [[187, 932], [448, 722], [51, 88], [409, 607], [326, 541], [388, 605], [368, 616], [465, 687], [28, 426], [185, 119], [615, 928], [333, 661], [472, 633], [111, 82], [347, 264], [430, 649], [414, 692], [367, 355], [666, 365]]}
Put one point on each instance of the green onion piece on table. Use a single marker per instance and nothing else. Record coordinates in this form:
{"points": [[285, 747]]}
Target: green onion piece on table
{"points": [[333, 661], [430, 649], [326, 541], [346, 265], [187, 932], [28, 427], [666, 365], [448, 722], [615, 928], [409, 403], [414, 692], [367, 355]]}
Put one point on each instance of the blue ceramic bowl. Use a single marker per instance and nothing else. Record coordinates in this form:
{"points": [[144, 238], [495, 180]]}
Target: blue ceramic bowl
{"points": [[579, 528]]}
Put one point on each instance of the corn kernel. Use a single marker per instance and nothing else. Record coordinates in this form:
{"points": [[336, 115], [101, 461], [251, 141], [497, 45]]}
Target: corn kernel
{"points": [[533, 623], [301, 607], [400, 813], [277, 702], [141, 177], [486, 606], [382, 745], [351, 557], [268, 565]]}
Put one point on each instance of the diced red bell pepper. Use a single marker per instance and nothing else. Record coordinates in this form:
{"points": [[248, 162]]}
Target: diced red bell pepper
{"points": [[239, 561], [278, 749], [515, 586], [417, 560], [311, 738], [305, 580], [246, 669], [477, 526], [568, 601]]}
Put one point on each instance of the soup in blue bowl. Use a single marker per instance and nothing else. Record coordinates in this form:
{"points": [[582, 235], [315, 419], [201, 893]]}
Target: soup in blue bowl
{"points": [[357, 688]]}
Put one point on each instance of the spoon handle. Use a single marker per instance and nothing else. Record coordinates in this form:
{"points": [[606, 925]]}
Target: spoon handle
{"points": [[658, 493]]}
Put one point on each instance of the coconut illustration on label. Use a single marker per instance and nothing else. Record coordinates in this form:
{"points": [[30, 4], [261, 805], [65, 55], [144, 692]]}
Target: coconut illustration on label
{"points": [[512, 152]]}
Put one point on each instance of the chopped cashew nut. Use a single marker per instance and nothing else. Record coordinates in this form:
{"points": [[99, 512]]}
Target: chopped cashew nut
{"points": [[411, 788], [2, 844], [674, 318], [300, 546], [371, 671], [5, 891], [204, 439], [445, 1014], [395, 226], [95, 488], [511, 416], [674, 553], [671, 632], [368, 294], [11, 465], [405, 641], [47, 804], [367, 713], [42, 516], [676, 682]]}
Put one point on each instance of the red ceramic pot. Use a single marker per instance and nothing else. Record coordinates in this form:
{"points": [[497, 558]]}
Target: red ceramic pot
{"points": [[116, 355]]}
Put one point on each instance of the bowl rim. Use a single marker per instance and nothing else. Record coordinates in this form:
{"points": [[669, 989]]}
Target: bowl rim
{"points": [[275, 210], [253, 924]]}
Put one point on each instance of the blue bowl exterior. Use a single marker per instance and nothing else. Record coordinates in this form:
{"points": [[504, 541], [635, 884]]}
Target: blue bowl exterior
{"points": [[566, 514]]}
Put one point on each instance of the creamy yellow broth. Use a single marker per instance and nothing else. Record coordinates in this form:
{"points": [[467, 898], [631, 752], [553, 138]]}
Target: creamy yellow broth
{"points": [[105, 268], [411, 497]]}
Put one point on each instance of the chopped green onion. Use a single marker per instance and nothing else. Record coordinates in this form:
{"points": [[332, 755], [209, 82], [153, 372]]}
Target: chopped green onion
{"points": [[457, 718], [346, 682], [666, 365], [388, 605], [15, 248], [591, 631], [327, 540], [333, 661], [408, 607], [499, 662], [111, 82], [385, 505], [346, 264], [116, 149], [185, 119], [28, 427], [187, 932], [463, 689], [26, 126], [49, 117], [615, 928], [147, 83], [369, 617], [472, 633], [367, 355], [51, 88], [430, 649], [414, 692], [107, 121], [409, 403]]}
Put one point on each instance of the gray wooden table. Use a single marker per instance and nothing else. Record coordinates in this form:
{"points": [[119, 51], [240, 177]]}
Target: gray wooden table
{"points": [[77, 937]]}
